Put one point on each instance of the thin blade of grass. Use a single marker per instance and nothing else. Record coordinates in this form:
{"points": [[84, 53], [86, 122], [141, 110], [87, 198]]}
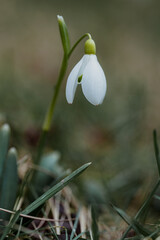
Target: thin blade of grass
{"points": [[157, 197], [133, 238], [146, 203], [143, 208], [19, 229], [79, 235], [51, 227], [66, 234], [10, 225], [21, 190], [125, 233], [156, 149], [126, 218], [155, 233], [75, 226], [53, 231], [55, 189], [140, 228], [95, 231]]}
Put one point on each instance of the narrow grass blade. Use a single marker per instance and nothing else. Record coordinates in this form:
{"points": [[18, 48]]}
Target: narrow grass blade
{"points": [[66, 232], [79, 235], [144, 231], [19, 229], [55, 189], [156, 149], [9, 184], [143, 208], [157, 197], [95, 231], [10, 225], [51, 227], [134, 238], [155, 233], [126, 218], [53, 231], [21, 190], [75, 226], [146, 203], [4, 140], [126, 232], [139, 229]]}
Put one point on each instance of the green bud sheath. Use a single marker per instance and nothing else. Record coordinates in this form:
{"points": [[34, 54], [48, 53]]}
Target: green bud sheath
{"points": [[90, 47], [64, 34]]}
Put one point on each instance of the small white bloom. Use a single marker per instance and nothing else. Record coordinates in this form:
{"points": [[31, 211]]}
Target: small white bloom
{"points": [[90, 75]]}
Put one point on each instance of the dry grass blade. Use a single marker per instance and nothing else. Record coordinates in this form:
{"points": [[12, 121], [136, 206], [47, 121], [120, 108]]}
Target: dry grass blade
{"points": [[38, 218]]}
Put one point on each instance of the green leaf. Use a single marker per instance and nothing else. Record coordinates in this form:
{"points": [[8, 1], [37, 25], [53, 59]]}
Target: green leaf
{"points": [[156, 149], [4, 140], [9, 184], [64, 34], [55, 189], [95, 231]]}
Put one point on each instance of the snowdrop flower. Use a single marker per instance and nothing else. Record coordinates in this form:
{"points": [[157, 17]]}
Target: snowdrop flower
{"points": [[90, 75]]}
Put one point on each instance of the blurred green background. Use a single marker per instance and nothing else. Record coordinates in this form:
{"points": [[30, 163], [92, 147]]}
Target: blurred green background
{"points": [[116, 136]]}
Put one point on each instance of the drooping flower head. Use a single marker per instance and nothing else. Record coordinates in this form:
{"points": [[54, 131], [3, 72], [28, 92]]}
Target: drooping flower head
{"points": [[90, 75]]}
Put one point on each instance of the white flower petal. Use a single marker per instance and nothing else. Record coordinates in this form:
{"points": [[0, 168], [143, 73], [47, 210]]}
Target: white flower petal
{"points": [[72, 82], [85, 61], [94, 83]]}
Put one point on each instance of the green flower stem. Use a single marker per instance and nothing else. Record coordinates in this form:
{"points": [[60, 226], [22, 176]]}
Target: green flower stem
{"points": [[48, 118], [75, 45], [49, 115]]}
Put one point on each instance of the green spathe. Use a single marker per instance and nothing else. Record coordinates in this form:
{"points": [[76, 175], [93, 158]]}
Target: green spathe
{"points": [[64, 34], [90, 47]]}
